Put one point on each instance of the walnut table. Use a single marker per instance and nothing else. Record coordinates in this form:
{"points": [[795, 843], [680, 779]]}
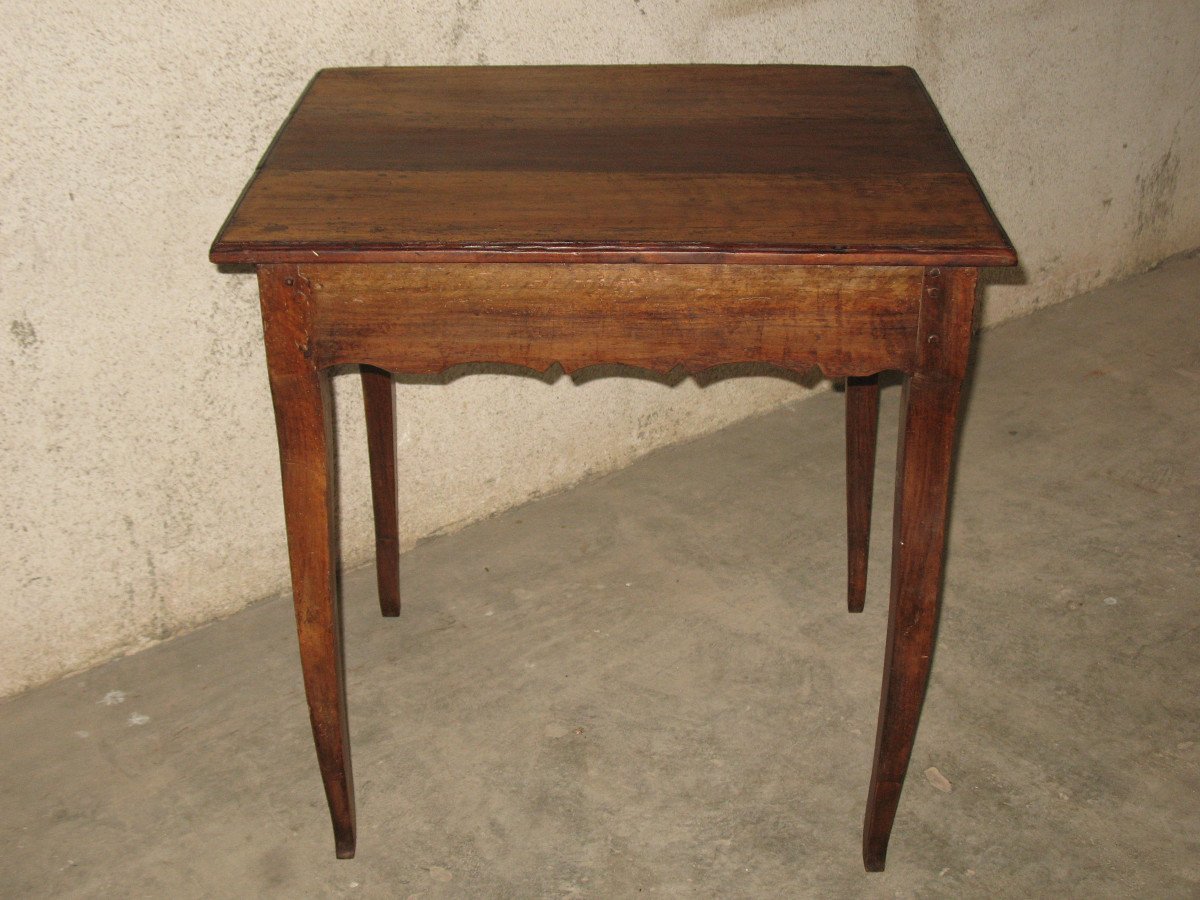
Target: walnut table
{"points": [[411, 219]]}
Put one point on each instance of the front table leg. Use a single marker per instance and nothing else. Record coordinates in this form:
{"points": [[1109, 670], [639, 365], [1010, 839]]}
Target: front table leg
{"points": [[302, 418], [923, 477], [928, 425]]}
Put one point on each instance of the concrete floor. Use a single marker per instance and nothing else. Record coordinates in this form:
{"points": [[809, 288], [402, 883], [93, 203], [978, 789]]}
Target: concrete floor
{"points": [[649, 684]]}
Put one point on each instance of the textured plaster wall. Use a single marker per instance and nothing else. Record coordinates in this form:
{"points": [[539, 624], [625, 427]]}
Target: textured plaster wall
{"points": [[140, 477]]}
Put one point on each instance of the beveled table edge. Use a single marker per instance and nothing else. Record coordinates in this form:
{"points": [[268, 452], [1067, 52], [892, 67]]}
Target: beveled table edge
{"points": [[654, 254]]}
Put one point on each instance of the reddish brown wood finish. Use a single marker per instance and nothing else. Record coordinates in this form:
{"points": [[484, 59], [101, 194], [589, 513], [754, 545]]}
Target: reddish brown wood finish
{"points": [[381, 216], [423, 318], [928, 427], [763, 164], [381, 448], [302, 419], [862, 421]]}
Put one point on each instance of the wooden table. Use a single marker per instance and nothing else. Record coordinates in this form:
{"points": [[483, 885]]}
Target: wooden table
{"points": [[410, 219]]}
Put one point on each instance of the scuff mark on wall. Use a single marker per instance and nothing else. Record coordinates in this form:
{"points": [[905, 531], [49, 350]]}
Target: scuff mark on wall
{"points": [[161, 627], [931, 36], [24, 333], [1156, 191], [734, 9], [461, 23]]}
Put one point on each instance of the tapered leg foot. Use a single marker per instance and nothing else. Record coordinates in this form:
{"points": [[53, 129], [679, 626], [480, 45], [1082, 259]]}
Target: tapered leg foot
{"points": [[381, 447], [928, 425], [862, 419]]}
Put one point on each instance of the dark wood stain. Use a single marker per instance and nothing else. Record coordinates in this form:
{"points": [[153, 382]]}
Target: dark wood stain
{"points": [[424, 318], [380, 410], [862, 424], [928, 429], [412, 219], [302, 418], [778, 164]]}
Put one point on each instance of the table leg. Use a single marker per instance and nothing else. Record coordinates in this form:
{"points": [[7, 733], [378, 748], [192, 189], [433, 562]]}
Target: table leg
{"points": [[862, 419], [928, 425], [381, 447], [303, 421]]}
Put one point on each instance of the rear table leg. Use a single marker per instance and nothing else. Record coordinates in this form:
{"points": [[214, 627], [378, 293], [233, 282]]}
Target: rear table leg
{"points": [[862, 419], [381, 448]]}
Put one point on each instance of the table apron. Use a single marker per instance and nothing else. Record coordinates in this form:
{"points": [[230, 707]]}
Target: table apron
{"points": [[421, 318]]}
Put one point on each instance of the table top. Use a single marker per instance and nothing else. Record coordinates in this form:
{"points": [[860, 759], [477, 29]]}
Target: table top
{"points": [[671, 163]]}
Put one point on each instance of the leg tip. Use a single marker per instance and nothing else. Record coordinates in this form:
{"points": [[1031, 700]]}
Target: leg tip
{"points": [[856, 592], [875, 850], [344, 838], [389, 606]]}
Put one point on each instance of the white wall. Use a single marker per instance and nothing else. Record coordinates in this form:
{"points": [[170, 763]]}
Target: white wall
{"points": [[140, 488]]}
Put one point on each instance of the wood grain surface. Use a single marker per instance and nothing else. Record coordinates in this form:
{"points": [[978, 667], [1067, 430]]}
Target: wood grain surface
{"points": [[423, 318], [862, 429], [409, 220], [380, 408], [929, 411], [301, 395], [780, 164]]}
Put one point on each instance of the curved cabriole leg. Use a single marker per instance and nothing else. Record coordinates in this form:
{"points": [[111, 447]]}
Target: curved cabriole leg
{"points": [[862, 420], [928, 427], [381, 448], [929, 416], [302, 418]]}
